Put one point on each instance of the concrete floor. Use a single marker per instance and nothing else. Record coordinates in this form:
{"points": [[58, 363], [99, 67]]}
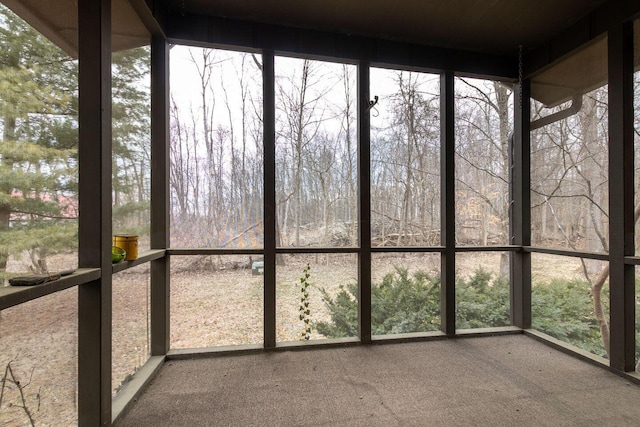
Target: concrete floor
{"points": [[493, 381]]}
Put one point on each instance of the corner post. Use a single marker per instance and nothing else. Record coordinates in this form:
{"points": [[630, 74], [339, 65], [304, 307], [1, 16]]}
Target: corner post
{"points": [[270, 218], [94, 224], [621, 194], [364, 203], [447, 204], [160, 207], [520, 211]]}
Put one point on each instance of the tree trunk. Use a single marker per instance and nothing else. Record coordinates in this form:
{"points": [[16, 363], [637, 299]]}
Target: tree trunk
{"points": [[596, 293], [8, 134]]}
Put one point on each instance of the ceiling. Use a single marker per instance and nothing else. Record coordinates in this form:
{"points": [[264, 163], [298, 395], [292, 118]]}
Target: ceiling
{"points": [[496, 27], [487, 26], [58, 21]]}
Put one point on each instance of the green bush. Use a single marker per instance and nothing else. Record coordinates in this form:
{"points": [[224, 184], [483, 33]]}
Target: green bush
{"points": [[344, 313], [404, 302], [481, 303], [399, 304], [564, 310]]}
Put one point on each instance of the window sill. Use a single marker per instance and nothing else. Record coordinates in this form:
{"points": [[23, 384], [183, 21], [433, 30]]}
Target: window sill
{"points": [[144, 257], [14, 295]]}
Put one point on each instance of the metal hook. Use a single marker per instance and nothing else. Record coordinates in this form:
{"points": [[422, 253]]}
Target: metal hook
{"points": [[373, 104]]}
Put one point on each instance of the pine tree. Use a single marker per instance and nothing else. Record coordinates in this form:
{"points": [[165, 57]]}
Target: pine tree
{"points": [[39, 143], [131, 140], [38, 155]]}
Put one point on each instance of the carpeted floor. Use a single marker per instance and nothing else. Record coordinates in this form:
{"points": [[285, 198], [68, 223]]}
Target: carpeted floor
{"points": [[494, 381]]}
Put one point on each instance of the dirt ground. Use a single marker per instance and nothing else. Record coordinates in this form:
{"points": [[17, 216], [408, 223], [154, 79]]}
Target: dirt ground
{"points": [[214, 303]]}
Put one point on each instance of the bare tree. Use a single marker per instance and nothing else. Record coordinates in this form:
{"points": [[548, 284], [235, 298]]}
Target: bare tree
{"points": [[572, 186], [483, 125], [216, 170], [302, 112], [405, 170]]}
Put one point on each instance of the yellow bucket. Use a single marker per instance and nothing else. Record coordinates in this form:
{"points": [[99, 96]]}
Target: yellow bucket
{"points": [[128, 242]]}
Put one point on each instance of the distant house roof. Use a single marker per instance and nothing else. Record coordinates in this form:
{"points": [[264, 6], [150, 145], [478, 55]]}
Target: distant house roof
{"points": [[68, 205]]}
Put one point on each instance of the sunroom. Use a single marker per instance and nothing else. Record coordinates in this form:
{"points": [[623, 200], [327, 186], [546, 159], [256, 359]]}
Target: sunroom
{"points": [[297, 176]]}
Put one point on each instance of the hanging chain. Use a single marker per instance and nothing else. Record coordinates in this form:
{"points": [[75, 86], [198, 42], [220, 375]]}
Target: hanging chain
{"points": [[182, 7], [520, 76]]}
